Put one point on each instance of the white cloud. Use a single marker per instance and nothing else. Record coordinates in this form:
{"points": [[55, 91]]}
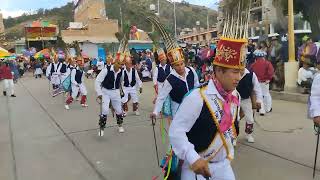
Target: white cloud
{"points": [[12, 13]]}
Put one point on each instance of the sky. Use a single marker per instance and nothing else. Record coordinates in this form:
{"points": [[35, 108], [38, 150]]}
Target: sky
{"points": [[15, 8]]}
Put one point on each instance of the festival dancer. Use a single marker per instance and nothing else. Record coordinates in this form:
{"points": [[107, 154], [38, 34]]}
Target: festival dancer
{"points": [[202, 131], [53, 72], [77, 85], [131, 81], [251, 98]]}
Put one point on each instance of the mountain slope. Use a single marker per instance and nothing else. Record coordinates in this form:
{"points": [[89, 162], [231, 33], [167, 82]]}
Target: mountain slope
{"points": [[134, 11]]}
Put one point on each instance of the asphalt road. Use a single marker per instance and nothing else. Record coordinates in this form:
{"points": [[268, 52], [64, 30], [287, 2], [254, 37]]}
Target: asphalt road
{"points": [[40, 140]]}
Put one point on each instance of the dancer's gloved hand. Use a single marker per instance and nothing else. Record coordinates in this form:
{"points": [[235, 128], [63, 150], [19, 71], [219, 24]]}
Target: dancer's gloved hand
{"points": [[140, 90], [201, 167]]}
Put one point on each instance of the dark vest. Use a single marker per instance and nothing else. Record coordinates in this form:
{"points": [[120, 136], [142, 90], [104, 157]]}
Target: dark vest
{"points": [[203, 131], [179, 87], [110, 80], [133, 79], [108, 66], [78, 76], [163, 74], [245, 86], [52, 70], [63, 68]]}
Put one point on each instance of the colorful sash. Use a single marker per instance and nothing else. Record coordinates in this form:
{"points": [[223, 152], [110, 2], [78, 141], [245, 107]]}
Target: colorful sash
{"points": [[221, 140]]}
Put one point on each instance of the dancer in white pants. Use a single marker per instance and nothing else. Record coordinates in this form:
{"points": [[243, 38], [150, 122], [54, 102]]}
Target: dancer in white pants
{"points": [[248, 87], [267, 100], [53, 73], [131, 80], [77, 84], [107, 86]]}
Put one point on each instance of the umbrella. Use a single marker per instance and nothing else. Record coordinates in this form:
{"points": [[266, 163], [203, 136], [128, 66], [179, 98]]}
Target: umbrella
{"points": [[4, 53], [43, 53]]}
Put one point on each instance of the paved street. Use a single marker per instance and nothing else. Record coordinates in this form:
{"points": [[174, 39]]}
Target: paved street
{"points": [[39, 140]]}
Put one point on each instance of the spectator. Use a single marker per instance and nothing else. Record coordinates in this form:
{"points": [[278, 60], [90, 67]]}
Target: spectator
{"points": [[274, 52], [264, 71], [7, 75], [307, 50], [250, 56], [305, 76]]}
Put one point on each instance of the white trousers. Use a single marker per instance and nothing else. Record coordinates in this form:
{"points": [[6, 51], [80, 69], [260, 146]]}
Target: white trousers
{"points": [[8, 86], [267, 100], [75, 89], [221, 170], [55, 79], [132, 91], [38, 71], [246, 106], [114, 97]]}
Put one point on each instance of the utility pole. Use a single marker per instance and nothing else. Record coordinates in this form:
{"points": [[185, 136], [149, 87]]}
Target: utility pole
{"points": [[158, 8], [121, 21], [291, 67], [208, 26], [175, 19], [292, 57]]}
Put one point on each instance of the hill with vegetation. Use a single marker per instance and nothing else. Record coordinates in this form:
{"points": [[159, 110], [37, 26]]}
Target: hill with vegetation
{"points": [[133, 11]]}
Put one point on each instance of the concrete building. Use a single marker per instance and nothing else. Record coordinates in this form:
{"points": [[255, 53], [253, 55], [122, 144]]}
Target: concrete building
{"points": [[91, 24], [86, 10], [201, 36], [264, 19]]}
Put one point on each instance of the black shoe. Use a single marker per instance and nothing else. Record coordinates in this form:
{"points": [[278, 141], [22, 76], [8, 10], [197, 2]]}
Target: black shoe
{"points": [[270, 110], [261, 114], [13, 95], [4, 93]]}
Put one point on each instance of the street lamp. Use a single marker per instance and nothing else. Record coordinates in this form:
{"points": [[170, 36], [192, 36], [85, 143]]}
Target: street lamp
{"points": [[152, 8]]}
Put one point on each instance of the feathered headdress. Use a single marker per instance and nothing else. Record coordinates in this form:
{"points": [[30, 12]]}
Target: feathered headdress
{"points": [[155, 37], [174, 51], [123, 50], [232, 46]]}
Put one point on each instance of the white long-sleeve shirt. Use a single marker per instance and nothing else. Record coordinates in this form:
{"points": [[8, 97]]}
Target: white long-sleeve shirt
{"points": [[304, 74], [100, 65], [256, 85], [129, 73], [73, 76], [166, 88], [184, 120], [56, 66], [315, 97], [101, 77], [155, 73]]}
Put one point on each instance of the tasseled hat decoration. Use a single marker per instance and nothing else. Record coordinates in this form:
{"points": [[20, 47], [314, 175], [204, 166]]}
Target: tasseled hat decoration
{"points": [[155, 37], [123, 51], [174, 52], [232, 46]]}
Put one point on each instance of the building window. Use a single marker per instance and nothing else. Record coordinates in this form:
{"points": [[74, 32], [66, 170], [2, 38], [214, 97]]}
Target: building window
{"points": [[204, 37], [197, 38]]}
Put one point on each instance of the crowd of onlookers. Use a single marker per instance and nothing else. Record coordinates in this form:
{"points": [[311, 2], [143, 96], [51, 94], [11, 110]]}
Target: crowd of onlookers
{"points": [[201, 58]]}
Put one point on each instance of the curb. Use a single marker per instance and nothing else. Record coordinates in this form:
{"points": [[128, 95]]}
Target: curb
{"points": [[290, 96]]}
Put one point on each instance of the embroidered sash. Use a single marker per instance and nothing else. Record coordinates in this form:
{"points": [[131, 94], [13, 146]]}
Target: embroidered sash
{"points": [[221, 140]]}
